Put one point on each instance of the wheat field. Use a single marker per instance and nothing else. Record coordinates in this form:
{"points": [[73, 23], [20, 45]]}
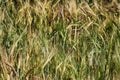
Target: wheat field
{"points": [[59, 40]]}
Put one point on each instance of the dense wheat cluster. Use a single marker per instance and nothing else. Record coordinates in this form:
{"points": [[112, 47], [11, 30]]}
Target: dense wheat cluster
{"points": [[59, 40]]}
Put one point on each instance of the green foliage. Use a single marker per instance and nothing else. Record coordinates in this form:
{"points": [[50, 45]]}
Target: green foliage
{"points": [[59, 40]]}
